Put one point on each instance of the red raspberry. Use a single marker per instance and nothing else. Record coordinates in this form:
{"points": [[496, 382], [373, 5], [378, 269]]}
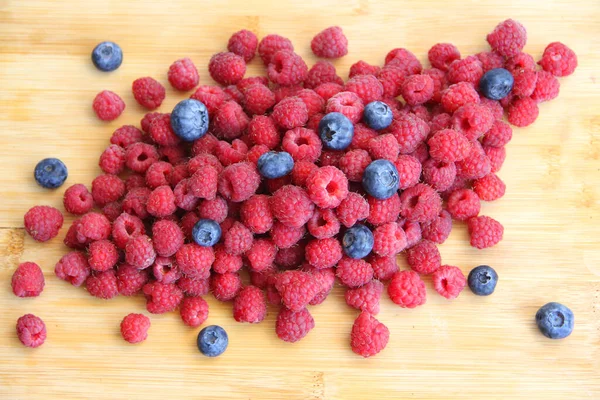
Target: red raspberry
{"points": [[159, 174], [327, 187], [301, 171], [407, 289], [390, 239], [140, 156], [102, 284], [130, 280], [347, 103], [290, 257], [281, 92], [363, 68], [165, 270], [297, 289], [73, 267], [354, 273], [183, 74], [417, 89], [558, 59], [489, 188], [438, 78], [524, 83], [112, 210], [328, 90], [383, 267], [383, 211], [107, 188], [493, 106], [193, 287], [230, 121], [412, 230], [112, 160], [489, 60], [161, 202], [103, 255], [409, 130], [325, 278], [77, 199], [520, 62], [409, 171], [523, 112], [458, 95], [290, 112], [225, 262], [438, 229], [195, 261], [262, 130], [391, 77], [258, 99], [472, 120], [441, 55], [127, 135], [256, 152], [368, 336], [31, 330], [499, 135], [261, 255], [508, 38], [139, 252], [424, 257], [367, 87], [244, 44], [352, 209], [314, 103], [108, 105], [475, 165], [194, 311], [292, 206], [292, 326], [238, 239], [323, 253], [497, 155], [331, 158], [231, 153], [250, 81], [330, 43], [42, 223], [468, 69], [484, 231], [148, 92], [227, 68], [238, 182], [287, 68], [323, 224], [71, 240], [167, 237], [271, 44], [135, 202], [440, 175], [449, 281], [353, 164], [232, 93], [134, 328], [201, 161], [211, 96], [225, 286], [420, 203], [145, 123], [213, 209], [161, 131], [28, 280], [546, 87], [250, 305], [366, 298], [322, 72], [162, 298], [404, 59], [189, 219], [92, 226], [463, 204], [419, 110], [255, 213], [383, 147], [448, 145]]}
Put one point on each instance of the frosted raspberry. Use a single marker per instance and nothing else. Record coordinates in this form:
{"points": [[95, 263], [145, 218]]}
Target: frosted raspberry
{"points": [[347, 103], [78, 200], [449, 281], [409, 130], [73, 267], [292, 326], [42, 223], [162, 298], [322, 72], [407, 289], [558, 59], [27, 280], [508, 38], [438, 229], [368, 336], [484, 231], [183, 74], [102, 285], [134, 328], [424, 257], [108, 105], [230, 120], [441, 55], [244, 44], [390, 239], [238, 182], [354, 273], [31, 330], [458, 95], [130, 280]]}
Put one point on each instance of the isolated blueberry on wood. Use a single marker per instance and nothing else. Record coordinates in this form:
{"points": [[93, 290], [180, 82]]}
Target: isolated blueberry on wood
{"points": [[107, 56], [50, 173], [555, 320], [212, 341]]}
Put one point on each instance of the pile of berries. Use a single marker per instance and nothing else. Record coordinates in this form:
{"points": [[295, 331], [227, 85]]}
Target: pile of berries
{"points": [[298, 178]]}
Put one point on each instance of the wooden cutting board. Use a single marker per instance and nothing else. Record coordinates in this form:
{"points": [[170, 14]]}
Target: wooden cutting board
{"points": [[467, 348]]}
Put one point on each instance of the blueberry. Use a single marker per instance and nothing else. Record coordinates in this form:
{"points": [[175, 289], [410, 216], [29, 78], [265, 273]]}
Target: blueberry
{"points": [[273, 165], [189, 120], [358, 241], [380, 179], [482, 280], [496, 84], [377, 115], [50, 173], [336, 131], [212, 341], [555, 320], [107, 56], [206, 232]]}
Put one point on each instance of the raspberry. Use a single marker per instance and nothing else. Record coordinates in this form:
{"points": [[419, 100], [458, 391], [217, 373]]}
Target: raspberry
{"points": [[383, 267], [420, 203], [135, 202], [546, 87], [292, 206], [323, 253], [42, 223], [262, 130], [524, 83], [523, 112], [463, 204], [194, 311], [493, 106], [439, 174], [77, 199], [367, 87], [281, 92], [558, 59], [424, 257], [391, 77], [383, 211], [417, 89], [232, 93], [468, 69], [368, 336], [161, 202], [353, 164], [327, 187], [290, 112], [107, 188], [256, 152], [73, 267], [354, 273], [390, 239], [287, 68], [134, 328], [449, 281], [230, 120], [458, 95], [407, 289], [215, 209], [366, 298], [227, 68], [383, 147], [484, 231], [238, 239], [139, 252], [126, 136], [225, 286], [329, 89], [409, 171], [322, 72], [330, 43], [174, 155], [497, 155], [441, 55], [508, 38], [183, 75], [244, 44], [130, 280], [31, 330], [108, 105], [271, 44], [167, 237], [499, 135], [112, 210], [301, 171], [71, 240], [250, 305], [409, 130], [352, 209], [475, 165], [252, 80], [489, 60], [193, 287], [92, 226], [412, 230], [472, 120], [290, 257], [112, 160], [258, 99], [448, 145], [331, 158], [489, 188], [148, 92], [211, 96], [405, 60], [27, 280], [323, 224], [297, 289], [103, 255], [238, 182], [438, 229], [161, 131], [439, 81], [225, 262], [201, 161], [347, 103], [195, 261], [231, 153], [292, 326], [363, 68], [314, 103], [261, 255], [255, 213], [162, 298], [158, 174], [102, 285], [140, 156]]}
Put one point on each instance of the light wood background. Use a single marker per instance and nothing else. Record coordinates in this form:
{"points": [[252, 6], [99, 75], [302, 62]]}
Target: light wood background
{"points": [[467, 348]]}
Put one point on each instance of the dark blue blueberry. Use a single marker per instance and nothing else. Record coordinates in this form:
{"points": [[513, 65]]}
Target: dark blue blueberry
{"points": [[555, 320], [212, 341], [189, 120], [380, 179], [274, 164], [336, 131], [496, 84], [377, 115], [206, 232], [50, 173], [482, 280], [107, 56], [358, 241]]}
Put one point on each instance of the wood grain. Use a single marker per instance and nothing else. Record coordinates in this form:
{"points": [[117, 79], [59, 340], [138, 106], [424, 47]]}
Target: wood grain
{"points": [[468, 348]]}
